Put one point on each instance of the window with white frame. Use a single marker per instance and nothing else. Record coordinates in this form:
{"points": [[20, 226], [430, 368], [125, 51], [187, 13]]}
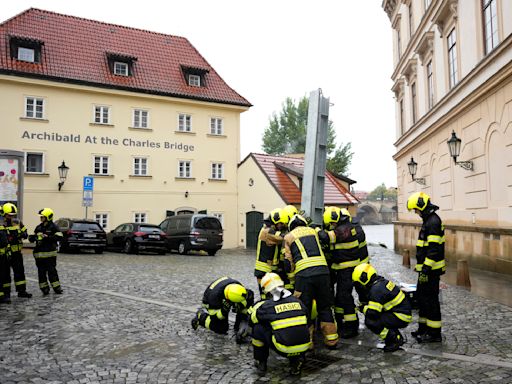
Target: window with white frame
{"points": [[34, 162], [452, 57], [219, 216], [184, 122], [101, 165], [216, 126], [490, 24], [185, 168], [101, 219], [430, 85], [140, 166], [120, 68], [26, 54], [217, 171], [140, 217], [194, 80], [101, 114], [140, 118], [413, 102], [34, 107]]}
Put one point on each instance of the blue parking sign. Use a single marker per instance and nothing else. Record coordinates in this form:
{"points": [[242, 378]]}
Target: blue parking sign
{"points": [[88, 183]]}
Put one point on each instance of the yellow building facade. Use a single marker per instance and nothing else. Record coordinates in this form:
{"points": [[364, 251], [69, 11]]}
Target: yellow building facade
{"points": [[152, 151]]}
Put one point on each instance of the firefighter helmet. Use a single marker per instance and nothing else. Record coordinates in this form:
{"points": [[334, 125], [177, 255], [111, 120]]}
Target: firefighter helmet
{"points": [[331, 215], [46, 212], [9, 209], [291, 210], [279, 216], [270, 282], [236, 293], [363, 273], [418, 200], [297, 221]]}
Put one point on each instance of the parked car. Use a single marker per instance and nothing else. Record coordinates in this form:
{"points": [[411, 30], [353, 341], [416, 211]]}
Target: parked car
{"points": [[81, 234], [193, 232], [136, 237]]}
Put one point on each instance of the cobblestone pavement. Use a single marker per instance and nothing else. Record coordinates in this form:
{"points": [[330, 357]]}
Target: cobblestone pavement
{"points": [[126, 319]]}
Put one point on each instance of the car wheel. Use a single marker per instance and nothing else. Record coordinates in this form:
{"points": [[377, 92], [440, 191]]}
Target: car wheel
{"points": [[98, 251], [128, 246], [182, 249], [212, 252]]}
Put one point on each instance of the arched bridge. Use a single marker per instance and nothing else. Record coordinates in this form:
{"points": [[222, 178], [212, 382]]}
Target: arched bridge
{"points": [[377, 212]]}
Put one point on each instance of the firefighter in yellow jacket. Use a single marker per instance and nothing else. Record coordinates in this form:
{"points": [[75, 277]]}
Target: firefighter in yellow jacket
{"points": [[16, 232], [304, 257]]}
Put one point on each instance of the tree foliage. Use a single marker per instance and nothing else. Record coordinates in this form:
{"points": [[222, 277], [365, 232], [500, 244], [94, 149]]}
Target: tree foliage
{"points": [[383, 193], [286, 134]]}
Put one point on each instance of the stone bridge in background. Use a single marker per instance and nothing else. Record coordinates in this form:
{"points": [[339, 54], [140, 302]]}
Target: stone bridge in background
{"points": [[377, 212]]}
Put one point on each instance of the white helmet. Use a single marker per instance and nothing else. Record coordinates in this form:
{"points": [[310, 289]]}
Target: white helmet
{"points": [[271, 281]]}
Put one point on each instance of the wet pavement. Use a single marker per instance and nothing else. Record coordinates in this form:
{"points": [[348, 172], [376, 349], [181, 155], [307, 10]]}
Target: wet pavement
{"points": [[126, 319]]}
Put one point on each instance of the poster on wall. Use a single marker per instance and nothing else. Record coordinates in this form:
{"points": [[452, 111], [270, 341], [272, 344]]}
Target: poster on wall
{"points": [[9, 180]]}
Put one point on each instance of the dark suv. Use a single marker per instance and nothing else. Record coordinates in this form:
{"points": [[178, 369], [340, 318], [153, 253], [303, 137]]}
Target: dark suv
{"points": [[81, 234], [193, 232]]}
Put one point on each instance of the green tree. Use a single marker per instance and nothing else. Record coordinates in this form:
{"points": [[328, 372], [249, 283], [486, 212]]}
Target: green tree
{"points": [[383, 193], [286, 134]]}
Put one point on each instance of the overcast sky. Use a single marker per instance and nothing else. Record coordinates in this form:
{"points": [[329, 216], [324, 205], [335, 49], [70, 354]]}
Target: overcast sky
{"points": [[268, 50]]}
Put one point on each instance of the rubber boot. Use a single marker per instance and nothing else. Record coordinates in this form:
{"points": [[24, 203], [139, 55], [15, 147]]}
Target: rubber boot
{"points": [[45, 291], [261, 366], [24, 294], [422, 329], [296, 363], [58, 291], [394, 340], [430, 337]]}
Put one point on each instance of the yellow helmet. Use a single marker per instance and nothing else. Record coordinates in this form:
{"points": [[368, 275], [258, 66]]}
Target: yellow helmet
{"points": [[418, 200], [236, 293], [331, 215], [363, 273], [271, 281], [291, 210], [297, 221], [9, 209], [279, 216], [46, 212]]}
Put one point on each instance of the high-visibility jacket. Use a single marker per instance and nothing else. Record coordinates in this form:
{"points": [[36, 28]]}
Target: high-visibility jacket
{"points": [[288, 320], [363, 247], [384, 296], [267, 251], [304, 253], [46, 246], [215, 301], [16, 232], [344, 245], [430, 245]]}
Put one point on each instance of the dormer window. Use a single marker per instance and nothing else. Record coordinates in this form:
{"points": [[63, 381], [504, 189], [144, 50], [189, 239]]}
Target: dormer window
{"points": [[25, 49], [195, 77], [121, 64], [121, 68], [194, 80]]}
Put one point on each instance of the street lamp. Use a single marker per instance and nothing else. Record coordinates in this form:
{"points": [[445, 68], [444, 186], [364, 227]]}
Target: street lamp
{"points": [[454, 147], [413, 166], [63, 173]]}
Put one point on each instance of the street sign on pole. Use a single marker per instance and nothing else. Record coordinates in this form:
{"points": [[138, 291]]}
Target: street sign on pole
{"points": [[87, 197]]}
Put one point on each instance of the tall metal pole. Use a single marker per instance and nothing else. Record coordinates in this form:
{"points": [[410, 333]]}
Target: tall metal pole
{"points": [[316, 157]]}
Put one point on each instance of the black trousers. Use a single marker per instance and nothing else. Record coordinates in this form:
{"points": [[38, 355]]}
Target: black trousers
{"points": [[262, 342], [213, 323], [385, 320], [344, 307], [47, 271], [5, 274], [18, 270], [428, 304], [317, 288]]}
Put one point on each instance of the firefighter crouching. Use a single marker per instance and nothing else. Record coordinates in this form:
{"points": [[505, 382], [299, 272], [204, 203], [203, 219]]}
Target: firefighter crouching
{"points": [[387, 308], [304, 257], [219, 298], [270, 240], [280, 323], [343, 243], [45, 252], [4, 264], [16, 232]]}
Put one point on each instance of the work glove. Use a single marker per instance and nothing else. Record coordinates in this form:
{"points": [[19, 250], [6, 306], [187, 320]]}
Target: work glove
{"points": [[243, 331], [423, 278], [32, 238], [226, 306]]}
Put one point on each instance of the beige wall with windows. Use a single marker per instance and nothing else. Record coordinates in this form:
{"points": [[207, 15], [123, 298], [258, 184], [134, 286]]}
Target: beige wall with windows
{"points": [[67, 132], [476, 205]]}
